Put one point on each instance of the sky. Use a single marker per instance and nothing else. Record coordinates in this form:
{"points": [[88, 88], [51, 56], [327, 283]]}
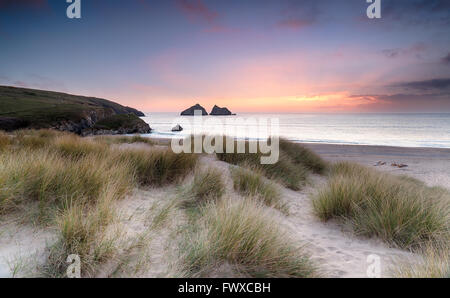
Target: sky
{"points": [[248, 55]]}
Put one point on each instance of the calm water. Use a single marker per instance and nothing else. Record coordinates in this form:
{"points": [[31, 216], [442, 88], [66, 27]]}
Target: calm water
{"points": [[407, 130]]}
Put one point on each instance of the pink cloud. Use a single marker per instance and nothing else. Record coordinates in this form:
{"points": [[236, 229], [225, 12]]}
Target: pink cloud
{"points": [[220, 29], [294, 24], [197, 10]]}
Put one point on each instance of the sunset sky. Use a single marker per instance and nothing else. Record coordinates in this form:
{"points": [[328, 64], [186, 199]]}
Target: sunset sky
{"points": [[248, 55]]}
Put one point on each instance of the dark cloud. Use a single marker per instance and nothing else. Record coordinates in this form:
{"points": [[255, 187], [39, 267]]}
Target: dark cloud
{"points": [[415, 96], [5, 4], [403, 102], [414, 50], [417, 12], [426, 85], [403, 97]]}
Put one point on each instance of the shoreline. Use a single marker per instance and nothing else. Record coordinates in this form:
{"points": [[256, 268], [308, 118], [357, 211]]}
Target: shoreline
{"points": [[423, 152], [322, 147]]}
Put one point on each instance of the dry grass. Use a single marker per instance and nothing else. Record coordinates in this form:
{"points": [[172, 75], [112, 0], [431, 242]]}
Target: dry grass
{"points": [[292, 168], [303, 156], [73, 146], [246, 235], [207, 185], [35, 139], [70, 168], [124, 140], [5, 140], [74, 183], [401, 211], [158, 166], [45, 177], [83, 232], [250, 183], [285, 171], [435, 263]]}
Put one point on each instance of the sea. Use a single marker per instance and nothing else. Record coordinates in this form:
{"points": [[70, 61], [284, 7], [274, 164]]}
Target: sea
{"points": [[386, 129]]}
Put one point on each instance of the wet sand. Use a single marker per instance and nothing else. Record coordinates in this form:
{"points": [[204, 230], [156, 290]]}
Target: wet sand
{"points": [[431, 165]]}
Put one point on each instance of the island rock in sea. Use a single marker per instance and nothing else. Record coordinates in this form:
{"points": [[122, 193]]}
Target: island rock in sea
{"points": [[191, 111], [217, 111]]}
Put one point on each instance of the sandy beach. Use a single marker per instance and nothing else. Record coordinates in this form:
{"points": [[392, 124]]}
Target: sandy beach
{"points": [[431, 165]]}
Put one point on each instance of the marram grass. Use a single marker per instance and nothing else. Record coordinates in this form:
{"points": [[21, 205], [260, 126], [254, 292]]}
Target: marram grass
{"points": [[208, 185], [399, 210], [251, 183], [292, 168], [243, 233], [303, 156], [74, 183], [434, 263]]}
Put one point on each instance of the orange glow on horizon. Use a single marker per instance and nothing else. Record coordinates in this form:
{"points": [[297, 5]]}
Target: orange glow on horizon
{"points": [[329, 102]]}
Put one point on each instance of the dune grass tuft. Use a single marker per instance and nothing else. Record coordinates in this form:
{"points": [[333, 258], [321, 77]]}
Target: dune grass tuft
{"points": [[5, 140], [435, 263], [83, 232], [207, 185], [285, 171], [250, 183], [245, 234], [303, 156], [398, 210], [292, 168], [157, 167]]}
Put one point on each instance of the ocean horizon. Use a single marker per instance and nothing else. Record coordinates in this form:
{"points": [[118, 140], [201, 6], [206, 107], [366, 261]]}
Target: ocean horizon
{"points": [[431, 130]]}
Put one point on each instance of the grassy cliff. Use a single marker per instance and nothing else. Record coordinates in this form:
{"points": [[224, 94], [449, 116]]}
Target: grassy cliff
{"points": [[29, 108]]}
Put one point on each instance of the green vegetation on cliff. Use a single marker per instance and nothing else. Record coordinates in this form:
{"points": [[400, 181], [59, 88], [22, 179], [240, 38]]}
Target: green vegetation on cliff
{"points": [[127, 121], [29, 108]]}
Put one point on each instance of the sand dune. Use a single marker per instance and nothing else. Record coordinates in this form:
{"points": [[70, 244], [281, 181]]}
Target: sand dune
{"points": [[337, 252]]}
